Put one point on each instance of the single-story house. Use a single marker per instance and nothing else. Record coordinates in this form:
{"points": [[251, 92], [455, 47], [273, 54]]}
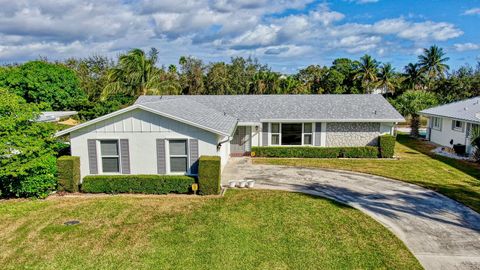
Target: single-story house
{"points": [[167, 134], [451, 123]]}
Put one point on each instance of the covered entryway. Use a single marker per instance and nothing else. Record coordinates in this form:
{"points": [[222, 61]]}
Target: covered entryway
{"points": [[241, 143]]}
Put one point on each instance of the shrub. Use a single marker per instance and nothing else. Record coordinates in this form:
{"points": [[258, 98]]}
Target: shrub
{"points": [[36, 181], [360, 152], [387, 146], [209, 175], [147, 184], [316, 152], [68, 173]]}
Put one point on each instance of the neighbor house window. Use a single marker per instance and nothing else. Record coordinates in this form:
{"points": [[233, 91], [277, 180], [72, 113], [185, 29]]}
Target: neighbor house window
{"points": [[110, 156], [457, 125], [178, 155], [275, 134], [436, 123], [291, 134], [307, 134]]}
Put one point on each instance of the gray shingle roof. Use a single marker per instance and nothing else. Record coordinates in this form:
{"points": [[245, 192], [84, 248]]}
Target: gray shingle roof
{"points": [[468, 110], [194, 112], [257, 108]]}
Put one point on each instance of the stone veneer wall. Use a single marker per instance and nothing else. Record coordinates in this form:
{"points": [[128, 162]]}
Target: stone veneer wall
{"points": [[352, 134]]}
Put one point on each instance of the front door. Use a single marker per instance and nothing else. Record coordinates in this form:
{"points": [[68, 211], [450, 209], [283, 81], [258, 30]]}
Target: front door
{"points": [[240, 144]]}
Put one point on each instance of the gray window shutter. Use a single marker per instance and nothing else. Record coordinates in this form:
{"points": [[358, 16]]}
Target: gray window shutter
{"points": [[264, 134], [193, 144], [318, 131], [124, 156], [161, 158], [92, 156]]}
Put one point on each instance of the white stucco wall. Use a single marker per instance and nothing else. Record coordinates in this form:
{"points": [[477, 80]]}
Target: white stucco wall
{"points": [[142, 128], [387, 128], [446, 133]]}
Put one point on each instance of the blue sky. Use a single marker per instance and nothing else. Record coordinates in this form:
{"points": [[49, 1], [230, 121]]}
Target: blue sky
{"points": [[285, 34]]}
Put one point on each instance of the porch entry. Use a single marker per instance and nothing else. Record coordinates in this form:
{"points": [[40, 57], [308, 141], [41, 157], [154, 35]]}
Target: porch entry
{"points": [[241, 142]]}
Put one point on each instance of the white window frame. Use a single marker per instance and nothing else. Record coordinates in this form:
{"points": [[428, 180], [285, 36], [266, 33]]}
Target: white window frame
{"points": [[437, 123], [272, 133], [169, 156], [310, 133], [454, 126], [101, 156]]}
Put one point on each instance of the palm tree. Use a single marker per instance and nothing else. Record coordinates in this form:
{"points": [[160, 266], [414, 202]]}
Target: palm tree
{"points": [[410, 103], [367, 71], [135, 74], [386, 78], [475, 142], [414, 77], [432, 62]]}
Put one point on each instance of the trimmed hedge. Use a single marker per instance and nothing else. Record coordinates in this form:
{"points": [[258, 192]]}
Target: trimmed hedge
{"points": [[68, 173], [209, 168], [387, 146], [147, 184], [316, 152]]}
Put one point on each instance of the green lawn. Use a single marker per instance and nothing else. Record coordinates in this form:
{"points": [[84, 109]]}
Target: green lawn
{"points": [[459, 180], [243, 230]]}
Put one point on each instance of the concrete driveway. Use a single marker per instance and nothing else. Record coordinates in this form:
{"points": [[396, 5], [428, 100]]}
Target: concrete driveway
{"points": [[440, 232]]}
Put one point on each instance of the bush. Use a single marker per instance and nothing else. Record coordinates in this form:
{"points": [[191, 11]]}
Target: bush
{"points": [[316, 152], [360, 152], [147, 184], [36, 181], [68, 173], [387, 146], [209, 168]]}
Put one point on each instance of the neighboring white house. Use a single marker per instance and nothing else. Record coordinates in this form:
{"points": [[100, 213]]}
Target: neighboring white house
{"points": [[54, 116], [167, 134], [451, 123]]}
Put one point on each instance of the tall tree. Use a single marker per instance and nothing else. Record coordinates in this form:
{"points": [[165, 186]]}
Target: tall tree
{"points": [[386, 78], [92, 73], [135, 74], [414, 77], [217, 79], [367, 72], [410, 103], [27, 161], [191, 77], [432, 62], [38, 81], [311, 78]]}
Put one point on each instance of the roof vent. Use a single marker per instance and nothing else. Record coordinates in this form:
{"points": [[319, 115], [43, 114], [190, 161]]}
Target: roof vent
{"points": [[375, 112], [477, 115]]}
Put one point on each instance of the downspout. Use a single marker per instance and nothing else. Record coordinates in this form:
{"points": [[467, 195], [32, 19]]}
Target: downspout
{"points": [[222, 142]]}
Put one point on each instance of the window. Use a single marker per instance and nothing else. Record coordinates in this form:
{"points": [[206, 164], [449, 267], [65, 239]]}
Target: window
{"points": [[436, 123], [307, 134], [110, 157], [178, 155], [275, 131], [291, 134], [457, 125]]}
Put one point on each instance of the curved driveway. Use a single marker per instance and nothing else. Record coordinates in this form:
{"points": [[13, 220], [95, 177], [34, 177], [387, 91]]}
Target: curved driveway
{"points": [[440, 232]]}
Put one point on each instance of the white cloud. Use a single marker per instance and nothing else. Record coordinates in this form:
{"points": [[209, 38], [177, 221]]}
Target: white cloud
{"points": [[472, 11], [364, 1], [461, 47], [210, 29]]}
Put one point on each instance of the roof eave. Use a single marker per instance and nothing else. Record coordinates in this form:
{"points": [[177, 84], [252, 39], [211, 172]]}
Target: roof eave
{"points": [[139, 106], [334, 120]]}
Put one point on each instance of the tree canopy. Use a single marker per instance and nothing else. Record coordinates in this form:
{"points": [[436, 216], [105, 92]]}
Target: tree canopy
{"points": [[27, 161], [38, 81]]}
